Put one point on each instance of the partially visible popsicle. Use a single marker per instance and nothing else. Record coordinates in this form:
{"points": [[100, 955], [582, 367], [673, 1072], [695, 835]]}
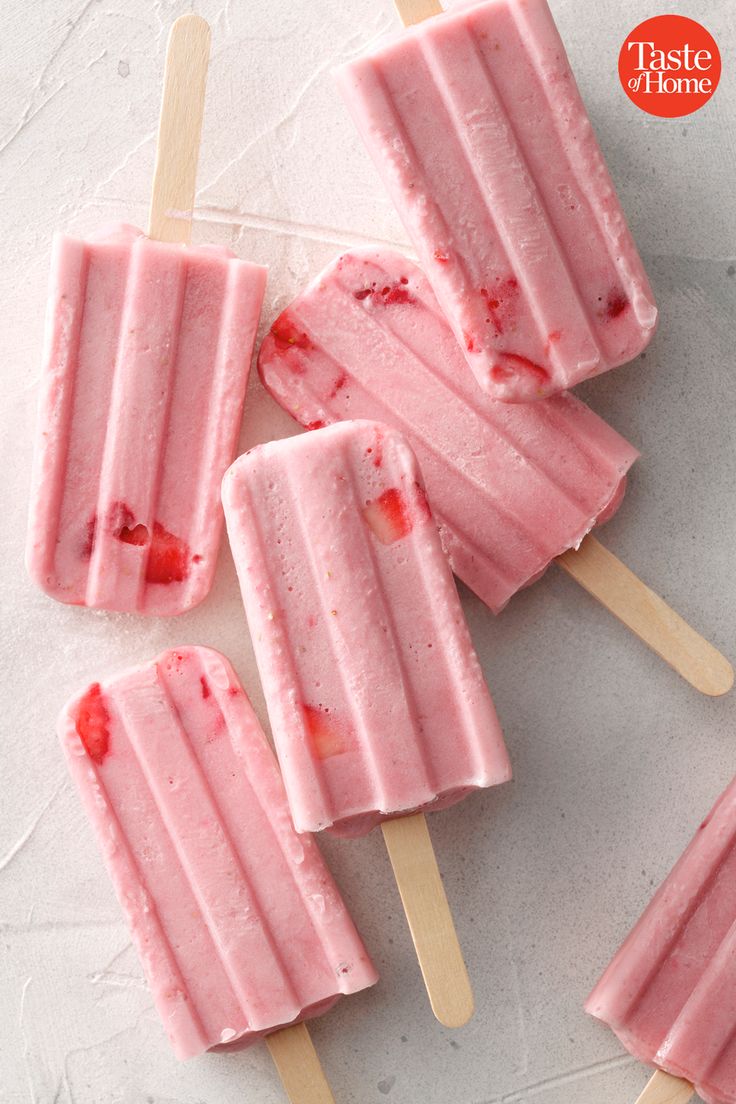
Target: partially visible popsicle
{"points": [[670, 991], [147, 354], [376, 699], [476, 125], [240, 929], [512, 487]]}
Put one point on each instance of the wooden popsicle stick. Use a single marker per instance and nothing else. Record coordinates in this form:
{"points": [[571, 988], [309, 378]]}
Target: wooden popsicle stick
{"points": [[648, 616], [299, 1066], [179, 130], [430, 921], [416, 11], [663, 1088]]}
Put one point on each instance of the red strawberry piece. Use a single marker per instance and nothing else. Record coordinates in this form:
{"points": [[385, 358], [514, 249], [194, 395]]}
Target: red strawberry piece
{"points": [[89, 537], [138, 535], [616, 304], [514, 364], [92, 723], [287, 334], [319, 424], [389, 516], [168, 557], [339, 383], [363, 293], [397, 294], [327, 734], [441, 256], [205, 686]]}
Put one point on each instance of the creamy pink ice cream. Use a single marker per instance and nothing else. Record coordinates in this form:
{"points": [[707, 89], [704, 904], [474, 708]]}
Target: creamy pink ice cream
{"points": [[670, 991], [476, 125], [511, 486], [377, 702], [148, 349], [237, 921]]}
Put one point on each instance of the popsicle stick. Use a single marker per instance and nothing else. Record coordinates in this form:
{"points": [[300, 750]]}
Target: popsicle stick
{"points": [[662, 1088], [416, 11], [648, 616], [299, 1066], [430, 920], [179, 130]]}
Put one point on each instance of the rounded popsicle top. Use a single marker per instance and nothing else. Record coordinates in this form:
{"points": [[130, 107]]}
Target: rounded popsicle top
{"points": [[478, 130], [512, 486], [146, 361], [377, 701], [125, 233], [239, 926]]}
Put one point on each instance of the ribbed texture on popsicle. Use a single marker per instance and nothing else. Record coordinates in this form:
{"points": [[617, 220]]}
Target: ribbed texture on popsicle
{"points": [[475, 123], [511, 486], [376, 698], [147, 355], [670, 992], [237, 921]]}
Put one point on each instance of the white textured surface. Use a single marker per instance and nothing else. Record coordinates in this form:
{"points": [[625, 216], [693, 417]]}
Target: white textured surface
{"points": [[616, 759]]}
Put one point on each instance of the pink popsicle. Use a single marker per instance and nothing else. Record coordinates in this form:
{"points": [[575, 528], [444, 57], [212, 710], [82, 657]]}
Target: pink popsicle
{"points": [[476, 125], [375, 695], [511, 486], [670, 991], [238, 924], [148, 349]]}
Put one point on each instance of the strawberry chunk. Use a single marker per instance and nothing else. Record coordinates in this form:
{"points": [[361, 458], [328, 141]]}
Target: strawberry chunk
{"points": [[387, 295], [327, 735], [168, 557], [287, 334], [616, 304], [90, 531], [514, 364], [138, 535], [389, 516], [338, 385], [92, 723]]}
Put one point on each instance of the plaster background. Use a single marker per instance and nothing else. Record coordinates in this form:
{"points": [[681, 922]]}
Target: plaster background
{"points": [[616, 758]]}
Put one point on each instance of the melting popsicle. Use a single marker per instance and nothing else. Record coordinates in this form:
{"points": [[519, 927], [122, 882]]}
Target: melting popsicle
{"points": [[475, 123], [670, 991], [240, 929], [147, 354], [376, 699], [512, 486]]}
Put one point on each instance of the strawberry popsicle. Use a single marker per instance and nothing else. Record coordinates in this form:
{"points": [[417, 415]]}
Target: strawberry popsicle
{"points": [[475, 123], [375, 695], [147, 356], [376, 699], [240, 929], [147, 353], [670, 991], [512, 486]]}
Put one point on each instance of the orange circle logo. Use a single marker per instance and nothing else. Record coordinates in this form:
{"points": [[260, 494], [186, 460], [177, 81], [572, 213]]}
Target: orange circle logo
{"points": [[669, 66]]}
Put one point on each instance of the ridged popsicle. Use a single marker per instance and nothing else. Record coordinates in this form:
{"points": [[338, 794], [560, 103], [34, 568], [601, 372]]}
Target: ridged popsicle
{"points": [[476, 125], [377, 702], [148, 349], [670, 991], [237, 921], [511, 486]]}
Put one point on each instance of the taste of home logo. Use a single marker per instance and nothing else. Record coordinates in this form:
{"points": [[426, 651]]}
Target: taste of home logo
{"points": [[669, 66]]}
